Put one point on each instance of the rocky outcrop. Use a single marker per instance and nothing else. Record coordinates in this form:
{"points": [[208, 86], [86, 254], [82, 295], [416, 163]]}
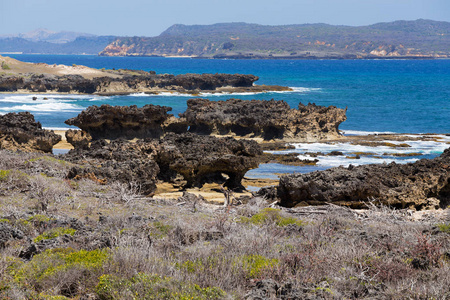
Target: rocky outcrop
{"points": [[122, 161], [112, 122], [265, 119], [423, 184], [19, 131], [139, 82], [269, 120], [200, 159], [78, 138]]}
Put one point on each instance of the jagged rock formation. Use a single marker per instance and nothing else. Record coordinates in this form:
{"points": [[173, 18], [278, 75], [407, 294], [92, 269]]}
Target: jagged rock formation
{"points": [[112, 122], [202, 158], [19, 131], [78, 138], [421, 184], [266, 119], [255, 119], [117, 161], [143, 82], [197, 158]]}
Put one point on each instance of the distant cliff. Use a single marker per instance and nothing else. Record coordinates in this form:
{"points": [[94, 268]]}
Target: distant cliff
{"points": [[399, 39]]}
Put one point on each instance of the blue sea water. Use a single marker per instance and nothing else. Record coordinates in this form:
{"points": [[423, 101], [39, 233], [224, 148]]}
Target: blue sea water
{"points": [[400, 96], [404, 96]]}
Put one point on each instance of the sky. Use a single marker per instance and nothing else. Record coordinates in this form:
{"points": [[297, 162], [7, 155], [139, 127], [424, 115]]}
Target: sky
{"points": [[151, 17]]}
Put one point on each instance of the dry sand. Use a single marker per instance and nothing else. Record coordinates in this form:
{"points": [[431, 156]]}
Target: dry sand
{"points": [[16, 67]]}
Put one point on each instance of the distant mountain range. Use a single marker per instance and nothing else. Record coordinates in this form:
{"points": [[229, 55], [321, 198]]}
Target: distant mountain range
{"points": [[44, 41], [399, 39], [45, 35]]}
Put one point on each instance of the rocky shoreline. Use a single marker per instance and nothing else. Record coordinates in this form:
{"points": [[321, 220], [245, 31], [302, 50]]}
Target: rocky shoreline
{"points": [[21, 77], [135, 214]]}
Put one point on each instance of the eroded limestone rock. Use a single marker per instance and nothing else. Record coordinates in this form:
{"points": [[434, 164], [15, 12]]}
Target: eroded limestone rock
{"points": [[417, 185], [265, 119], [19, 131]]}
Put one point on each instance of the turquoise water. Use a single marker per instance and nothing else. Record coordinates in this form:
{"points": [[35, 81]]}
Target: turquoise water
{"points": [[399, 96], [404, 96]]}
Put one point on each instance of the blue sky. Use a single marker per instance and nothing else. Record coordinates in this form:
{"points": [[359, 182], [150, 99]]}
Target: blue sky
{"points": [[151, 17]]}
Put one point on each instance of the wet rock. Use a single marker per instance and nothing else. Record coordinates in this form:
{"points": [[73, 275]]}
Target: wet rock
{"points": [[270, 120], [19, 131], [421, 185], [200, 159]]}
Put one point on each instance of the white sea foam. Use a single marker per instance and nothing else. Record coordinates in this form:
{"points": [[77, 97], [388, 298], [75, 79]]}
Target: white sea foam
{"points": [[19, 98], [45, 107], [359, 132], [172, 94], [304, 89], [374, 154]]}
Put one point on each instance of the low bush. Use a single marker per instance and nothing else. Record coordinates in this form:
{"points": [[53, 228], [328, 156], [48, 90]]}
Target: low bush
{"points": [[148, 287], [271, 216], [67, 270], [54, 233]]}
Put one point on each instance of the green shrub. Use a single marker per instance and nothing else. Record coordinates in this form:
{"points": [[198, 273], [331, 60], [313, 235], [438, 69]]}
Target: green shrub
{"points": [[271, 216], [4, 174], [45, 270], [254, 264], [5, 66], [145, 286], [444, 227], [53, 233], [190, 266]]}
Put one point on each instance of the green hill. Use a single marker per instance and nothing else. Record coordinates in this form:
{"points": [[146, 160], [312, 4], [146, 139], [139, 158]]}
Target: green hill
{"points": [[409, 39]]}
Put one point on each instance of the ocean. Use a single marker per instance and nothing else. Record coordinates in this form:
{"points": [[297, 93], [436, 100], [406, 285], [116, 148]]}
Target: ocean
{"points": [[382, 96]]}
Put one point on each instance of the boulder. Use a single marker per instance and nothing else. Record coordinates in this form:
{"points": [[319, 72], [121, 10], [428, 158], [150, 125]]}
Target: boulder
{"points": [[119, 160], [78, 138], [19, 131], [420, 185], [205, 158], [270, 120]]}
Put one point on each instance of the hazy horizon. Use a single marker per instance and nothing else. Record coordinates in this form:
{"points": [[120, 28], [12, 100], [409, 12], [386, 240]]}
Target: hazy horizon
{"points": [[150, 18]]}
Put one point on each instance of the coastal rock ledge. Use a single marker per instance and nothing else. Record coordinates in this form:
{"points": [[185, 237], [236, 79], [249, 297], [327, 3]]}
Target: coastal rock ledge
{"points": [[421, 185], [267, 120], [19, 131]]}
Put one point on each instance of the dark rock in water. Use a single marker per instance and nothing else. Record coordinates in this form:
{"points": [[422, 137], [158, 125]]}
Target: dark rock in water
{"points": [[19, 131], [203, 158], [416, 185], [119, 160], [139, 82], [112, 122], [265, 119]]}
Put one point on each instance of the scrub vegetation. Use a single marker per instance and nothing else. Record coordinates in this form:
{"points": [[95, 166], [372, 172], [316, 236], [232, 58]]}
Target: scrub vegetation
{"points": [[67, 239]]}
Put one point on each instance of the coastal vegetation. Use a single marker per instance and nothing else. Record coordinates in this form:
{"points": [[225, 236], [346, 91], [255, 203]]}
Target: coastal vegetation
{"points": [[87, 242]]}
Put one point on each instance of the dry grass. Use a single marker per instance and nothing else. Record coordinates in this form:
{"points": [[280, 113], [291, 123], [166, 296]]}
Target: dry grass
{"points": [[158, 248]]}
